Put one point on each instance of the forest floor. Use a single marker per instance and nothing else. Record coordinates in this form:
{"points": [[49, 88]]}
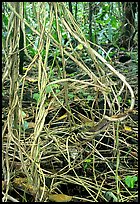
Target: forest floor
{"points": [[83, 169]]}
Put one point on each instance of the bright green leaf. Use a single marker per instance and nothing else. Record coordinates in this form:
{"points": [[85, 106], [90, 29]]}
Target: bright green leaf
{"points": [[87, 160], [113, 22], [129, 101], [57, 90], [80, 47], [36, 96], [55, 85], [126, 71], [122, 49], [130, 181], [55, 36], [119, 99]]}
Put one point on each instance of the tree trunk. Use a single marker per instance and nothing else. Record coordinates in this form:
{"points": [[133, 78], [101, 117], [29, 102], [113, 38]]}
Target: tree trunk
{"points": [[76, 11], [129, 11], [90, 21], [70, 7]]}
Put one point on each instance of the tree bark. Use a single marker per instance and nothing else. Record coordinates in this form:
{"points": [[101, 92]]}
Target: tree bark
{"points": [[129, 11]]}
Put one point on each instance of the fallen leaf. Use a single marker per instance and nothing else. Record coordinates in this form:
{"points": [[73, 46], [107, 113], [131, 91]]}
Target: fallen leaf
{"points": [[31, 125], [4, 183], [84, 119], [127, 128], [59, 198], [134, 154], [62, 117], [30, 79]]}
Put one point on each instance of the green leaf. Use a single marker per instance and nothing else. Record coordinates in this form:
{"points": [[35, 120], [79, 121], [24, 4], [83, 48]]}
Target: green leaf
{"points": [[23, 114], [36, 96], [28, 30], [51, 73], [110, 195], [57, 90], [48, 89], [25, 125], [87, 160], [55, 85], [122, 49], [119, 99], [110, 32], [107, 20], [129, 101], [84, 93], [5, 19], [80, 47], [126, 71], [85, 166], [55, 36], [113, 22], [43, 54], [89, 98], [33, 52], [130, 181], [71, 95]]}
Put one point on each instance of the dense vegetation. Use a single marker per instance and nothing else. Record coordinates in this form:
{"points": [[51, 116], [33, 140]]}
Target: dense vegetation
{"points": [[70, 101]]}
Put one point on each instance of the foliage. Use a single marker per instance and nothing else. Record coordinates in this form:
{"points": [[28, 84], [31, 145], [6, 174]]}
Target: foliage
{"points": [[130, 181], [110, 195], [106, 18], [87, 163]]}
